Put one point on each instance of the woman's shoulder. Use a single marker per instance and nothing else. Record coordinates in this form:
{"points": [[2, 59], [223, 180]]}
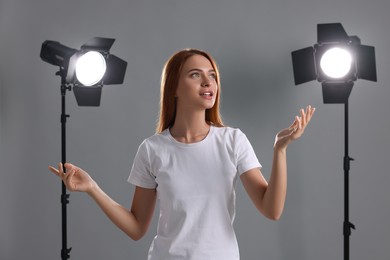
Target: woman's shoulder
{"points": [[156, 139], [228, 131]]}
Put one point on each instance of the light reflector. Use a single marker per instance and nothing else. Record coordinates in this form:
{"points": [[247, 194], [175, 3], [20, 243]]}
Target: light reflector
{"points": [[336, 62], [90, 68]]}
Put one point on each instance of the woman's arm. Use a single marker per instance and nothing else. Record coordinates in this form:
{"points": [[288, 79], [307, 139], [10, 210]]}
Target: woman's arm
{"points": [[269, 198], [134, 222]]}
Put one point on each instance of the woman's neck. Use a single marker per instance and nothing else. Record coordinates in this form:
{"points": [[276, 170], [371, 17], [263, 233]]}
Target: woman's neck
{"points": [[190, 127]]}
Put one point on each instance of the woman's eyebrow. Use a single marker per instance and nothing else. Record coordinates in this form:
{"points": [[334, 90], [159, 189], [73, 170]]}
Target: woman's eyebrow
{"points": [[199, 70]]}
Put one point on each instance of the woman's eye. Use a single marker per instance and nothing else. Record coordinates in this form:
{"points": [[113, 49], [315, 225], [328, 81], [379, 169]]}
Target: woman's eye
{"points": [[213, 76], [195, 75]]}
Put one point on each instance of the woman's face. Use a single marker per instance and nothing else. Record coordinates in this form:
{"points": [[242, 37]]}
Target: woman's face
{"points": [[197, 87]]}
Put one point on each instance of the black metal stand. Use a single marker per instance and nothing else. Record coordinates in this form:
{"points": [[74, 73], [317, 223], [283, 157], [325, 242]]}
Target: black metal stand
{"points": [[347, 225], [64, 196]]}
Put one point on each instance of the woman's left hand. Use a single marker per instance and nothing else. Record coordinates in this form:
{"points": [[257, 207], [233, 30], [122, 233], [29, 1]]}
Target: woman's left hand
{"points": [[286, 136]]}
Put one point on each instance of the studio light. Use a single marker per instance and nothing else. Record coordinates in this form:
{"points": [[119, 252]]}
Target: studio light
{"points": [[87, 69], [336, 61]]}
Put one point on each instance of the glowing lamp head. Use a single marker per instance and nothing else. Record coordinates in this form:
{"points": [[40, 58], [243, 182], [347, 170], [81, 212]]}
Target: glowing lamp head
{"points": [[336, 62], [87, 69], [90, 68]]}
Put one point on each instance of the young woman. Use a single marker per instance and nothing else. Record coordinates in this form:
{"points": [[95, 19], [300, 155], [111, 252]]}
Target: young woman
{"points": [[191, 166]]}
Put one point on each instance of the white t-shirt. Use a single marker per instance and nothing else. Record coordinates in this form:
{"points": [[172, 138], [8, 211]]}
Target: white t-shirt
{"points": [[195, 186]]}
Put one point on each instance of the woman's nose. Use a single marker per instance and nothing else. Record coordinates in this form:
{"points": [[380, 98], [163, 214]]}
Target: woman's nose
{"points": [[206, 82]]}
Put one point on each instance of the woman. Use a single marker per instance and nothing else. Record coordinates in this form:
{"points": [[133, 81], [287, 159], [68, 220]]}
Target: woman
{"points": [[191, 166]]}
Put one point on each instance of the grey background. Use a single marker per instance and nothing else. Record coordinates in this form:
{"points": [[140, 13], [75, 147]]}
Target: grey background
{"points": [[252, 42]]}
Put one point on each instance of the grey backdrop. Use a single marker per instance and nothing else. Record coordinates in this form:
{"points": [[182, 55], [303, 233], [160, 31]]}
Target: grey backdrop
{"points": [[252, 42]]}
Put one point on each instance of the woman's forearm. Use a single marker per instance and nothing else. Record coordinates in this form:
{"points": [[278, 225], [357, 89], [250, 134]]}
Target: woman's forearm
{"points": [[275, 194], [134, 222], [119, 215]]}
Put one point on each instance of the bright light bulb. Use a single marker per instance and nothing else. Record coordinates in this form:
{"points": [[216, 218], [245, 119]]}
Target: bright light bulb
{"points": [[336, 62], [90, 68]]}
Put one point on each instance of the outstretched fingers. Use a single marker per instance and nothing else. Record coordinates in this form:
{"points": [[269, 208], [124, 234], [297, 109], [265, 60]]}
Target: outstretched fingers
{"points": [[309, 113], [59, 172], [303, 120], [306, 115], [65, 177]]}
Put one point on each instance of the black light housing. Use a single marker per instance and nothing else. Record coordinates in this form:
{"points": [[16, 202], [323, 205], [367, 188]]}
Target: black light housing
{"points": [[66, 58], [307, 67], [86, 70], [337, 61]]}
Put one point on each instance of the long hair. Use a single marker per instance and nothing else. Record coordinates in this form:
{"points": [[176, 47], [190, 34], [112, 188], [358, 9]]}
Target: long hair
{"points": [[169, 83]]}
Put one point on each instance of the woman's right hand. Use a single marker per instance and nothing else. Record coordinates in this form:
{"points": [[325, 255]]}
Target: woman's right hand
{"points": [[75, 179]]}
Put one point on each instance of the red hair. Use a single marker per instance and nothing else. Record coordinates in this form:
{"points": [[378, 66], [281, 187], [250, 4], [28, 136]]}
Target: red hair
{"points": [[169, 82]]}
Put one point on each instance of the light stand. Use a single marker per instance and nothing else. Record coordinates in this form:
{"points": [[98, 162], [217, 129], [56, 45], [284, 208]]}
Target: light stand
{"points": [[336, 87], [347, 226], [87, 81], [65, 251]]}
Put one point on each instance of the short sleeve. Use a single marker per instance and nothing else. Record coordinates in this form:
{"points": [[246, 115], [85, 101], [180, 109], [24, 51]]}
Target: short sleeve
{"points": [[245, 155], [141, 174]]}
